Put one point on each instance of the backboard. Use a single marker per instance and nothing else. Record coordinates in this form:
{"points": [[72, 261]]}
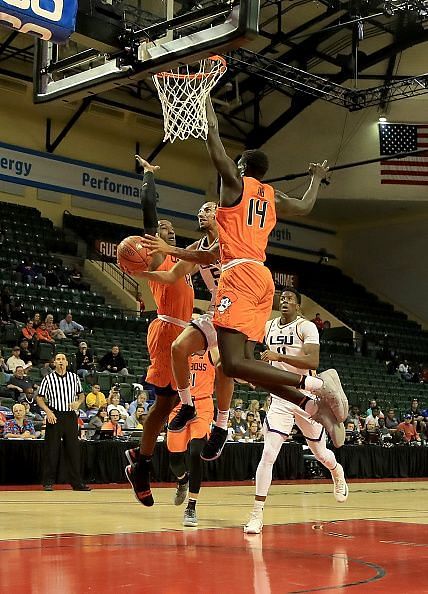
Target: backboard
{"points": [[121, 41]]}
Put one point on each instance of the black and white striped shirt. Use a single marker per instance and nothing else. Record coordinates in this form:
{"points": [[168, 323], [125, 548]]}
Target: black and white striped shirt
{"points": [[60, 391]]}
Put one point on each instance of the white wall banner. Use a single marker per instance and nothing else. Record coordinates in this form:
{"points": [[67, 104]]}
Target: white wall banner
{"points": [[27, 167]]}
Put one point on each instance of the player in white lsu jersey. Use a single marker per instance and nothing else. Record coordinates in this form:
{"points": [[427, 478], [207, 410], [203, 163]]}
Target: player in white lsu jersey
{"points": [[200, 334], [293, 345]]}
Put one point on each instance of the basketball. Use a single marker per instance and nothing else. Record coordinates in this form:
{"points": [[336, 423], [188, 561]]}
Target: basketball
{"points": [[132, 257]]}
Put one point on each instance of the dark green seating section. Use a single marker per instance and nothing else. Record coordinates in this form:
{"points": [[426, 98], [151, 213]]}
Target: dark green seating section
{"points": [[356, 307], [364, 378]]}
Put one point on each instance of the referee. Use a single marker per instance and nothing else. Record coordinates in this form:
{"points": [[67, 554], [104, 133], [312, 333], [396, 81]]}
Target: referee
{"points": [[60, 395]]}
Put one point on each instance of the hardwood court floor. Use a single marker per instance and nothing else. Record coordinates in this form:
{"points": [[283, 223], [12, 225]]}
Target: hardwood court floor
{"points": [[104, 541]]}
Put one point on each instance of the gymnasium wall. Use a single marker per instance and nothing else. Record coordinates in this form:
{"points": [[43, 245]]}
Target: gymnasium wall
{"points": [[391, 261]]}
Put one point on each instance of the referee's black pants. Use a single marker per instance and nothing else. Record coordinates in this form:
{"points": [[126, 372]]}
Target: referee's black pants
{"points": [[65, 428]]}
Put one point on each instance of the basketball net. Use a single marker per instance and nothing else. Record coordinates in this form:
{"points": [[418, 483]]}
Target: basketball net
{"points": [[183, 94]]}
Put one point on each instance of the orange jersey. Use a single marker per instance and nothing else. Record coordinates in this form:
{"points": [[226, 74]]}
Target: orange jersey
{"points": [[174, 300], [202, 376], [243, 229]]}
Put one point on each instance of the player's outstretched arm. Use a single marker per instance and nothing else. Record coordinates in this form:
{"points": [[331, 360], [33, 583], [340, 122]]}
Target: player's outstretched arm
{"points": [[148, 195], [287, 206], [156, 245], [225, 166]]}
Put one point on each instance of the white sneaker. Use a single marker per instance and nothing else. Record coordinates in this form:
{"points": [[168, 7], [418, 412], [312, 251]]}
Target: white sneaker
{"points": [[333, 395], [190, 519], [254, 524], [325, 416], [340, 489]]}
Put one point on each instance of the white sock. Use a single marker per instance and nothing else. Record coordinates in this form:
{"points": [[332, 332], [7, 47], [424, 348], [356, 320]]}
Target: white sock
{"points": [[313, 383], [185, 396], [222, 418], [258, 506]]}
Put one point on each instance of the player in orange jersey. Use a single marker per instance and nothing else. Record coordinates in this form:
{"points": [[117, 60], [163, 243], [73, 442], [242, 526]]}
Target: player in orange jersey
{"points": [[194, 436], [245, 218], [200, 334], [174, 306]]}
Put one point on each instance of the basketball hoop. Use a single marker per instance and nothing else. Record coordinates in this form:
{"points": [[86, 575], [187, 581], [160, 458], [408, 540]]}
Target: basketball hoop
{"points": [[183, 92]]}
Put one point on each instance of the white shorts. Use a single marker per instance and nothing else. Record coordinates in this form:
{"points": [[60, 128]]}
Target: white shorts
{"points": [[205, 324], [282, 415]]}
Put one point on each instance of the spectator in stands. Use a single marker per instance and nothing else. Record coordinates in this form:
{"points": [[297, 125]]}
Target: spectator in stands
{"points": [[254, 407], [70, 328], [249, 417], [404, 371], [264, 408], [15, 360], [407, 427], [19, 383], [2, 423], [29, 399], [113, 401], [42, 333], [238, 423], [385, 436], [96, 422], [52, 278], [370, 433], [113, 362], [326, 325], [29, 333], [318, 322], [391, 421], [373, 417], [85, 362], [37, 319], [141, 400], [95, 400], [24, 351], [352, 435], [142, 305], [19, 427], [53, 329], [417, 416], [48, 367], [354, 417], [75, 280], [253, 432], [373, 404], [29, 273], [113, 422], [136, 420]]}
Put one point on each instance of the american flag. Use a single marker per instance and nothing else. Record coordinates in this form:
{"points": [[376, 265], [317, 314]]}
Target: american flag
{"points": [[402, 138]]}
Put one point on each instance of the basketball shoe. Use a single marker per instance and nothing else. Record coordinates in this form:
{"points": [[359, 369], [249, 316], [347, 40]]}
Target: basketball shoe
{"points": [[138, 476], [325, 416], [332, 394], [181, 490], [187, 414], [132, 455], [215, 444], [255, 523], [190, 519], [340, 489]]}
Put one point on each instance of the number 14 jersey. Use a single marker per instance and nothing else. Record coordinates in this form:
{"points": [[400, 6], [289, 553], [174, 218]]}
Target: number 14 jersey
{"points": [[244, 228]]}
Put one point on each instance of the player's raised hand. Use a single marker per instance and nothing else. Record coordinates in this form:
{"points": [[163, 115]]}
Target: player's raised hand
{"points": [[155, 245], [269, 356], [146, 165], [319, 170]]}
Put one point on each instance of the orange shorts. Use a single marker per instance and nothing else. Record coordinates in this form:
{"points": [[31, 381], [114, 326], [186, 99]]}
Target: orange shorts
{"points": [[160, 337], [201, 427], [244, 299]]}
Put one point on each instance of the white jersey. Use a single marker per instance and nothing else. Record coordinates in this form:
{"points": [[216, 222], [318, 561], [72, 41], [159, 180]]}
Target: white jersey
{"points": [[210, 272], [288, 339]]}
